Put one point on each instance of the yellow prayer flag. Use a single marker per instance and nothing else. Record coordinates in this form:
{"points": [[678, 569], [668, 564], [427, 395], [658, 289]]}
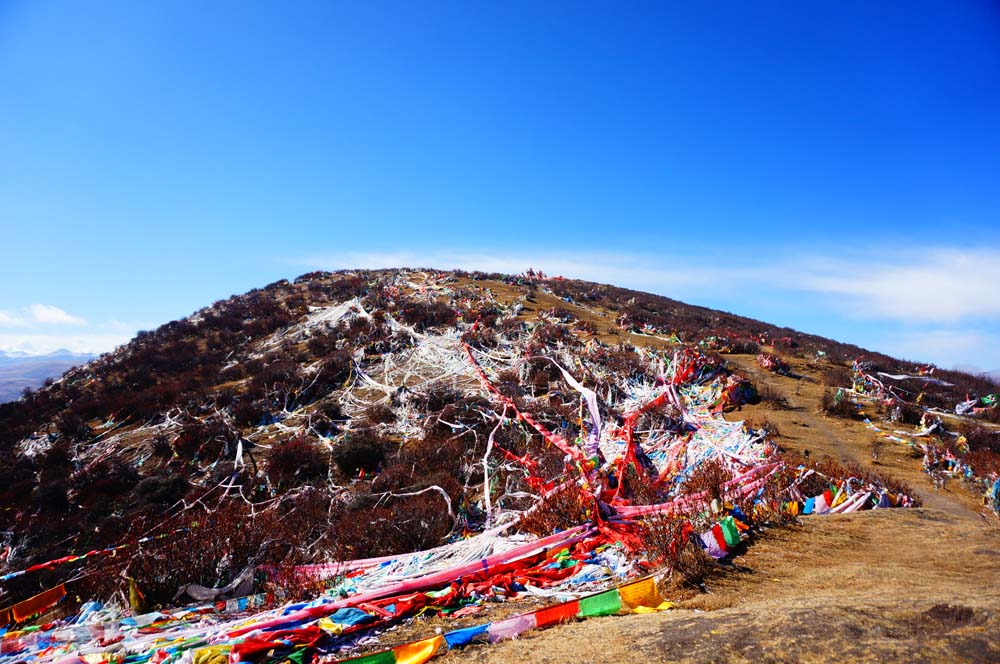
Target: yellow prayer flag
{"points": [[641, 593], [419, 652]]}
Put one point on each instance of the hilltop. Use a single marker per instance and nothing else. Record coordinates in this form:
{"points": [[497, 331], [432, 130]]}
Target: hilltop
{"points": [[369, 414]]}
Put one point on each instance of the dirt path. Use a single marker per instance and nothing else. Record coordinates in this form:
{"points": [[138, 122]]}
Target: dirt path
{"points": [[803, 428]]}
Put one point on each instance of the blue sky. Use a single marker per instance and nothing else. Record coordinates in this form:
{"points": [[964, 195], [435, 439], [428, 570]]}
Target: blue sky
{"points": [[828, 166]]}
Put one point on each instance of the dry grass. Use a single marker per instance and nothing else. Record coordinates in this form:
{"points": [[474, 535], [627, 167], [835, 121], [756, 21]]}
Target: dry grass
{"points": [[893, 585]]}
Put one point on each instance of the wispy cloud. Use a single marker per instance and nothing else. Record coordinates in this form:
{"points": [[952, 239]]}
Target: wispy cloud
{"points": [[42, 328], [941, 286], [40, 344], [38, 314], [46, 314], [943, 346]]}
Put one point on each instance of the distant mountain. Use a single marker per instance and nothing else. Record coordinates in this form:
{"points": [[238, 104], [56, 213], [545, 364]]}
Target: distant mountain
{"points": [[13, 355], [976, 371], [20, 370]]}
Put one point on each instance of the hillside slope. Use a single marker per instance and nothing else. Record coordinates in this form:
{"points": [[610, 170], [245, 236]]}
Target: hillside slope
{"points": [[369, 414]]}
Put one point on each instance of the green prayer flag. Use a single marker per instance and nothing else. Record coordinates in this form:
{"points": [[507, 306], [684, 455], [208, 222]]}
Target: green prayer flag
{"points": [[298, 656], [384, 657], [730, 532], [606, 604]]}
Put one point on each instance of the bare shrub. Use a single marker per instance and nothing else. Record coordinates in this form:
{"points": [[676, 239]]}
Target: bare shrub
{"points": [[710, 478], [669, 544], [745, 347], [392, 525], [379, 413], [835, 403], [984, 462], [877, 445], [837, 376], [360, 451], [829, 470], [563, 509], [772, 397], [105, 480], [769, 428], [425, 315], [296, 462], [981, 438], [203, 440], [159, 490]]}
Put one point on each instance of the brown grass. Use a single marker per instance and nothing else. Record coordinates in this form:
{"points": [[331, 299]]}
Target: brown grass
{"points": [[892, 585]]}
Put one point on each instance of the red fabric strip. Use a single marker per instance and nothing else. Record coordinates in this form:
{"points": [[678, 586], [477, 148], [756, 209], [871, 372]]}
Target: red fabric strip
{"points": [[552, 615]]}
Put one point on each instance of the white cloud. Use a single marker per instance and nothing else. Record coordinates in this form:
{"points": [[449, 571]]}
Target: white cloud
{"points": [[945, 347], [38, 314], [12, 319], [940, 286], [46, 314], [41, 329], [40, 344]]}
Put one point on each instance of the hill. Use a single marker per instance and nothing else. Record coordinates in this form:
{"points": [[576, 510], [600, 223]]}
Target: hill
{"points": [[361, 416]]}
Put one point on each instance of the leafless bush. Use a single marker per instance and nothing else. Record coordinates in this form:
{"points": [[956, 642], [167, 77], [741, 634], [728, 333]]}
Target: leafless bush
{"points": [[359, 451], [104, 480], [745, 347], [563, 509], [772, 397], [838, 406], [770, 429], [379, 413], [837, 376], [295, 462], [877, 446], [669, 545], [709, 477], [981, 438], [425, 315]]}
